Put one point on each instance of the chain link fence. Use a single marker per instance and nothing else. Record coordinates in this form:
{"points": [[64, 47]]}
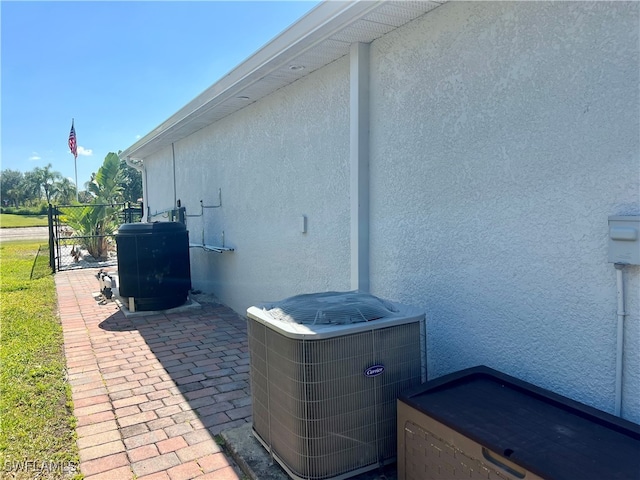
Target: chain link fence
{"points": [[83, 236]]}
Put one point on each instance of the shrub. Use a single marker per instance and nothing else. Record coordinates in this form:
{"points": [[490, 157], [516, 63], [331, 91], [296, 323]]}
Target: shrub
{"points": [[40, 209]]}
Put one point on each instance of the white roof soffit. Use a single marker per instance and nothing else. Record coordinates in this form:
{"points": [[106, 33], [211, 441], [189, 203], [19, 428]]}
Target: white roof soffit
{"points": [[317, 39]]}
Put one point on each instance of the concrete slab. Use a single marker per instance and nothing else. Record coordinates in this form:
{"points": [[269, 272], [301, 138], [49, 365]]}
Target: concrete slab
{"points": [[250, 456], [123, 302], [257, 464]]}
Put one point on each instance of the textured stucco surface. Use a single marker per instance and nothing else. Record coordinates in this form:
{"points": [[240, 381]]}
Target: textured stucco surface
{"points": [[502, 137], [279, 159]]}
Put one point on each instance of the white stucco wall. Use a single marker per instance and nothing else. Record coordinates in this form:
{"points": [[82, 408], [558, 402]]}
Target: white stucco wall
{"points": [[160, 185], [502, 137], [279, 159]]}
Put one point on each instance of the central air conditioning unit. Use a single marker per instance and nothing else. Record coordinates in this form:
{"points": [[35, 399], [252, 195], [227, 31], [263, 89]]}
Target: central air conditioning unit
{"points": [[326, 372]]}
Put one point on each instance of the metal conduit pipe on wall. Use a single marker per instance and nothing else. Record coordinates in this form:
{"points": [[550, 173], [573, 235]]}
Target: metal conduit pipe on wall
{"points": [[620, 336], [624, 251]]}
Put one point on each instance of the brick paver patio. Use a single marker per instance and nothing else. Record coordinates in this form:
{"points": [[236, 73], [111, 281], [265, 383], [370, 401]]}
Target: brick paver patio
{"points": [[151, 392]]}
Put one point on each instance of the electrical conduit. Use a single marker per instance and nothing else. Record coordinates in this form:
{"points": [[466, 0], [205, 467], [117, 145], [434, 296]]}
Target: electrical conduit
{"points": [[620, 334]]}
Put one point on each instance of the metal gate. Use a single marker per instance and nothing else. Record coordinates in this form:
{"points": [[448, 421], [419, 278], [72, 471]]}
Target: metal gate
{"points": [[83, 236]]}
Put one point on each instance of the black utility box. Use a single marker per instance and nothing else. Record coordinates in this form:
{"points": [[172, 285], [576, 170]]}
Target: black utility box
{"points": [[153, 264], [480, 423]]}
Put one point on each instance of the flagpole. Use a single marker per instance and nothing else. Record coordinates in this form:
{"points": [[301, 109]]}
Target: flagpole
{"points": [[75, 166], [73, 146]]}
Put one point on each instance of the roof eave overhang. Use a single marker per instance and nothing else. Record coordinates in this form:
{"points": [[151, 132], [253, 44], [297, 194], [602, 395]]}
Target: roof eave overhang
{"points": [[317, 26]]}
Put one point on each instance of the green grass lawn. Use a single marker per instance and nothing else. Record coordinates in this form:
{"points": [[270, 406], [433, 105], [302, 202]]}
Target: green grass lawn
{"points": [[36, 421], [8, 220]]}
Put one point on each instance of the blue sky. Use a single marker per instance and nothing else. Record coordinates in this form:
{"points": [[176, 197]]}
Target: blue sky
{"points": [[118, 68]]}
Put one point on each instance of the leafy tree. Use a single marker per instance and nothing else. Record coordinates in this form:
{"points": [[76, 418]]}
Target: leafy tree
{"points": [[131, 183], [84, 196], [115, 182], [105, 185], [28, 188], [11, 187]]}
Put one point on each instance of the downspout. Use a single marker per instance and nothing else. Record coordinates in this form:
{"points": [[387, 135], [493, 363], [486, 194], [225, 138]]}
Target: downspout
{"points": [[173, 158], [359, 162], [145, 196]]}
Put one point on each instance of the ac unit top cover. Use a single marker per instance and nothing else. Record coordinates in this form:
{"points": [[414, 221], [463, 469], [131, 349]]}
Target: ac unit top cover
{"points": [[316, 316]]}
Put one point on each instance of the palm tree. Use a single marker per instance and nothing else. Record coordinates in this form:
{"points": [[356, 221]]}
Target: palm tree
{"points": [[92, 223], [64, 191], [32, 187], [99, 218], [46, 178]]}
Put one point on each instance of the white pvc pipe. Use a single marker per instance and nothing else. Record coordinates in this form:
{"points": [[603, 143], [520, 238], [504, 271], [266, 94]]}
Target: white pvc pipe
{"points": [[620, 334], [175, 193]]}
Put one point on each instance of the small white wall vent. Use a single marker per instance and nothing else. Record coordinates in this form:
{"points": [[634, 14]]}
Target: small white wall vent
{"points": [[326, 371]]}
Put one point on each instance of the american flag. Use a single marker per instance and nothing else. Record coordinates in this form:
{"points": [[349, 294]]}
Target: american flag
{"points": [[73, 146]]}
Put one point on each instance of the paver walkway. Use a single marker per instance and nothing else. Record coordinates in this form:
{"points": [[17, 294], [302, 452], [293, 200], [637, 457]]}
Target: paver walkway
{"points": [[151, 392]]}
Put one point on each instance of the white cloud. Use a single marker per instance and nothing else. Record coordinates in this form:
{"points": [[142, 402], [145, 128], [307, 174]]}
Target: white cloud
{"points": [[138, 137], [35, 157], [85, 152]]}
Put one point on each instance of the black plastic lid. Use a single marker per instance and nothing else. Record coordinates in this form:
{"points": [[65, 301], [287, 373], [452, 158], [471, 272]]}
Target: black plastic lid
{"points": [[547, 434], [151, 228]]}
